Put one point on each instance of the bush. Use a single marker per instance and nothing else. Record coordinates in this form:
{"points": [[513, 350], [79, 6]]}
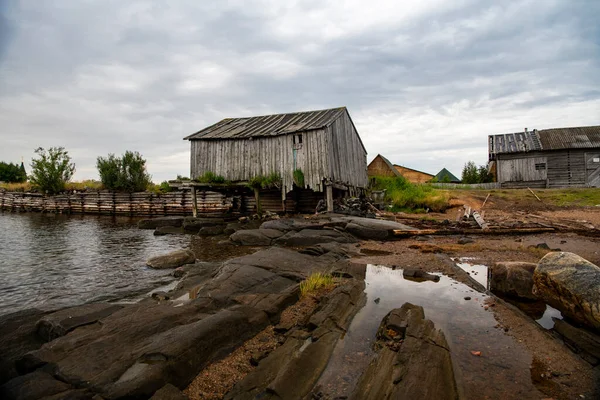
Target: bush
{"points": [[265, 182], [405, 196], [210, 177], [51, 170], [127, 173], [12, 173], [314, 282]]}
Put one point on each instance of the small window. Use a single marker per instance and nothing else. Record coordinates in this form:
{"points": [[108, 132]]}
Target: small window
{"points": [[540, 166], [596, 159], [297, 139]]}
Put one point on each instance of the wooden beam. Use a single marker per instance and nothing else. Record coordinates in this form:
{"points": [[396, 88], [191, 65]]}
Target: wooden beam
{"points": [[329, 197], [194, 203], [496, 231], [480, 221]]}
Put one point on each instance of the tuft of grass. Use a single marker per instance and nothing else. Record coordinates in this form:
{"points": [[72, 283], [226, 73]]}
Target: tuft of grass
{"points": [[210, 177], [314, 282], [265, 181], [81, 186], [406, 196], [299, 178]]}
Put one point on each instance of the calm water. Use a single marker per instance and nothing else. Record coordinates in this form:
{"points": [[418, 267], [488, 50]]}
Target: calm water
{"points": [[50, 261]]}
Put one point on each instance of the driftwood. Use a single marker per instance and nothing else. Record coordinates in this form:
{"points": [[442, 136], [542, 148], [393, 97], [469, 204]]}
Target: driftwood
{"points": [[469, 231], [480, 221], [534, 194], [485, 201], [467, 212]]}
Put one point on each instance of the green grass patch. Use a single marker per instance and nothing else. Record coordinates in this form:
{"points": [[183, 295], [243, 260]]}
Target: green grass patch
{"points": [[299, 178], [265, 181], [316, 281], [210, 177], [409, 197]]}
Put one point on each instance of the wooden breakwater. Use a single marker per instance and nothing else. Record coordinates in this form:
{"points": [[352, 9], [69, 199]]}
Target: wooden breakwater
{"points": [[112, 203]]}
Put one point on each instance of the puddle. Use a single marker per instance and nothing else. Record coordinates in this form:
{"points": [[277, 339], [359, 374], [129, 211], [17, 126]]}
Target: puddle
{"points": [[478, 272], [546, 320], [502, 370]]}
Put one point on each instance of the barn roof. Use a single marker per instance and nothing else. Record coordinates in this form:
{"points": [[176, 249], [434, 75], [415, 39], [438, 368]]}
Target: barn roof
{"points": [[445, 173], [546, 139], [389, 164], [269, 125]]}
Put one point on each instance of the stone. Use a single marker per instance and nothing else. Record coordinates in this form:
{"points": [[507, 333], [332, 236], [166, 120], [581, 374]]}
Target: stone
{"points": [[231, 228], [179, 272], [154, 223], [413, 362], [465, 240], [193, 225], [33, 386], [173, 259], [311, 237], [286, 225], [168, 230], [61, 322], [366, 228], [570, 284], [255, 237], [211, 230], [417, 275], [169, 392], [513, 279], [583, 340], [160, 296]]}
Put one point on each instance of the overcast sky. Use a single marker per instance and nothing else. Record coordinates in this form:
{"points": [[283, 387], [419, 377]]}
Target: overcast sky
{"points": [[425, 81]]}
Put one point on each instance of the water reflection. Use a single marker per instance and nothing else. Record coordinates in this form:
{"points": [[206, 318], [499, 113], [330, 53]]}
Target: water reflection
{"points": [[50, 261]]}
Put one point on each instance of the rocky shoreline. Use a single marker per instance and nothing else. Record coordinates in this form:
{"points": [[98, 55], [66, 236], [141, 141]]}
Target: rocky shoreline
{"points": [[158, 346]]}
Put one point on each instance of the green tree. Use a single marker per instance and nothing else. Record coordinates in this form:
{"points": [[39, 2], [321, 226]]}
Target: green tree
{"points": [[51, 170], [12, 173], [484, 175], [127, 173], [470, 173]]}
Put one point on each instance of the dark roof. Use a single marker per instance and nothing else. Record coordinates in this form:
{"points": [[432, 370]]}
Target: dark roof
{"points": [[546, 139], [269, 125], [445, 173]]}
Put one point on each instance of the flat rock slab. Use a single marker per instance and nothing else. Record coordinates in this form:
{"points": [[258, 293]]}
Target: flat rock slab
{"points": [[311, 237], [414, 361], [168, 230], [193, 225], [583, 340], [33, 386], [376, 229], [59, 323], [570, 284], [287, 225], [154, 223], [255, 237], [169, 392], [514, 279], [174, 259]]}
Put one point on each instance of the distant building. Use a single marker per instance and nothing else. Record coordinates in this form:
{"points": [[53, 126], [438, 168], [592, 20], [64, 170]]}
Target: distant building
{"points": [[562, 157], [446, 176], [381, 166], [414, 176]]}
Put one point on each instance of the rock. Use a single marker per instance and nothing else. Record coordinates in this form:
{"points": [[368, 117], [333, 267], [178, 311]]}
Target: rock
{"points": [[33, 386], [465, 240], [231, 228], [169, 392], [513, 279], [414, 361], [211, 230], [193, 225], [255, 237], [581, 339], [174, 259], [286, 225], [418, 275], [168, 230], [467, 298], [257, 356], [160, 296], [178, 272], [59, 323], [154, 223], [311, 237], [543, 246], [570, 284], [375, 229]]}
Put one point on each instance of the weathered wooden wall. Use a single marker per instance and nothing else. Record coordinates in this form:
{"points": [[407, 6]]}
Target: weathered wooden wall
{"points": [[243, 159], [347, 155], [564, 168], [378, 167], [413, 176]]}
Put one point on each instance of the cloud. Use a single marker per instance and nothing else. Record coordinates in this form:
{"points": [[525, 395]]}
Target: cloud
{"points": [[425, 82]]}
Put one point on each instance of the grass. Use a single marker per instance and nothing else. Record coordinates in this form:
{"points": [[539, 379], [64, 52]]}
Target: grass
{"points": [[579, 197], [406, 196], [69, 187], [265, 181], [210, 177], [314, 282]]}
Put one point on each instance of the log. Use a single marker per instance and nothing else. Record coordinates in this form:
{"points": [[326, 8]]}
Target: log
{"points": [[467, 212], [486, 199], [480, 221], [534, 194], [399, 233]]}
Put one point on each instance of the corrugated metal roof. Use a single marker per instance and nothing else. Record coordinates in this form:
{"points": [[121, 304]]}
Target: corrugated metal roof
{"points": [[445, 173], [546, 139], [268, 125]]}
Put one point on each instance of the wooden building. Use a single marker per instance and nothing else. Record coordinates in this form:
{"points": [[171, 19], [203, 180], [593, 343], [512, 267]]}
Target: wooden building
{"points": [[412, 175], [324, 145], [381, 166], [563, 157]]}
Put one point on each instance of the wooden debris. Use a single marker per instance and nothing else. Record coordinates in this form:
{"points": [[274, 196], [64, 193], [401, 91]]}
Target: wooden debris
{"points": [[534, 194], [486, 199], [480, 221], [467, 212], [399, 233]]}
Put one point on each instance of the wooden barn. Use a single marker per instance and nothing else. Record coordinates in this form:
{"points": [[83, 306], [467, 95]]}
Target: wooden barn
{"points": [[549, 158], [381, 166], [323, 145], [414, 176]]}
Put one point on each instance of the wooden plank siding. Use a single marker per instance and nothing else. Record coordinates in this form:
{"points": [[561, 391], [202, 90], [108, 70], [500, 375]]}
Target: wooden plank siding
{"points": [[413, 175]]}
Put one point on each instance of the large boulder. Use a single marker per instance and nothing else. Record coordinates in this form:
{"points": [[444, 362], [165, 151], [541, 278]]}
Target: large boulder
{"points": [[154, 223], [367, 228], [173, 259], [570, 284], [255, 237], [513, 279], [193, 225], [311, 237]]}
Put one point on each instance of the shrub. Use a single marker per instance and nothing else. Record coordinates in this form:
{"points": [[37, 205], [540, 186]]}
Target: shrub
{"points": [[210, 177], [265, 182], [299, 177], [127, 173], [51, 170], [12, 173], [314, 282], [405, 196]]}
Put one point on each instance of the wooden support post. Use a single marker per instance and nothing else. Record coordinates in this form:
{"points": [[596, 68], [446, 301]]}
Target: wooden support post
{"points": [[257, 200], [194, 203], [329, 197]]}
